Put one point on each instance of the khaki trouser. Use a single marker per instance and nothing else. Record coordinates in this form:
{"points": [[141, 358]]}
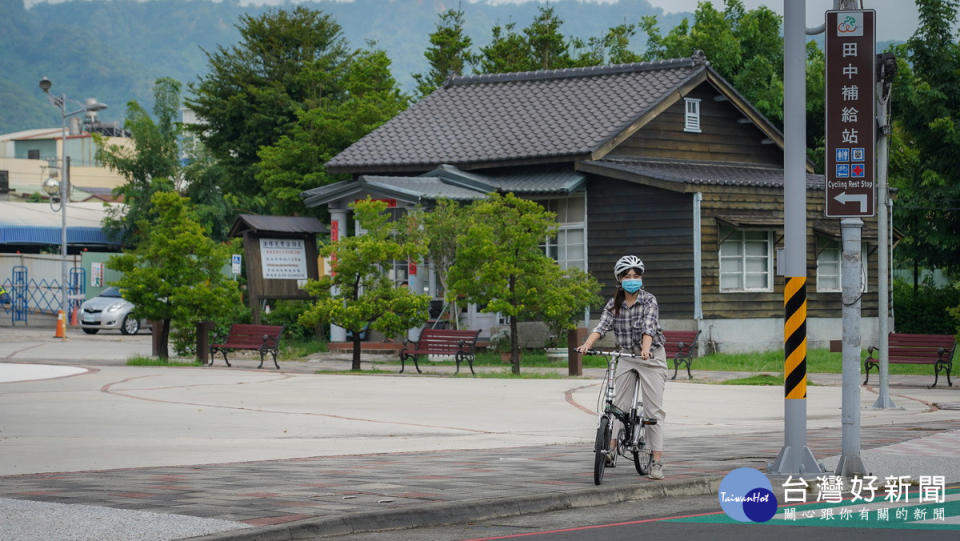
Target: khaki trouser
{"points": [[653, 377]]}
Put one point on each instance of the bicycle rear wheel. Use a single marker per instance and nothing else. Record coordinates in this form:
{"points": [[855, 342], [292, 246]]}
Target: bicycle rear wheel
{"points": [[601, 448]]}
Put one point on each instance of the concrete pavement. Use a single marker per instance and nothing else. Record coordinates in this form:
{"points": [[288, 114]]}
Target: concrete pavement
{"points": [[291, 452]]}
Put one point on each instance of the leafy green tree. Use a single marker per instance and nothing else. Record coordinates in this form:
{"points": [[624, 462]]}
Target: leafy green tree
{"points": [[925, 147], [359, 295], [439, 229], [287, 61], [507, 52], [539, 46], [151, 165], [501, 266], [296, 161], [617, 44], [214, 209], [174, 274], [448, 54]]}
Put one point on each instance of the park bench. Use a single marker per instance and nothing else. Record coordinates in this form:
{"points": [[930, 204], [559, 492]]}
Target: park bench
{"points": [[461, 344], [935, 349], [680, 347], [262, 338]]}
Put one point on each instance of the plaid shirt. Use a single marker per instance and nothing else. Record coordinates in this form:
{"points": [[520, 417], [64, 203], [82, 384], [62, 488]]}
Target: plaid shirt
{"points": [[633, 322]]}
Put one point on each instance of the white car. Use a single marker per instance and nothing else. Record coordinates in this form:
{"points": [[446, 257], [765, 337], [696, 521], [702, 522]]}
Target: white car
{"points": [[108, 310]]}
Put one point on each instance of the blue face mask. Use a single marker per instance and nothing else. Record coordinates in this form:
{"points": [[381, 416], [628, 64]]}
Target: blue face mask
{"points": [[632, 285]]}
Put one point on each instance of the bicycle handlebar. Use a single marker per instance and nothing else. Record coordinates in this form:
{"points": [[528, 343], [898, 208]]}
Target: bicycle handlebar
{"points": [[611, 353]]}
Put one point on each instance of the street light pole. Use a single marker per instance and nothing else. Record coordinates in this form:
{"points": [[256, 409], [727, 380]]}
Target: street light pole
{"points": [[60, 102]]}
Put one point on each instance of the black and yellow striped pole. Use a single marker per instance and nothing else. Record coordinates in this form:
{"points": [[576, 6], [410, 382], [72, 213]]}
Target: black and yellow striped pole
{"points": [[795, 338], [795, 457]]}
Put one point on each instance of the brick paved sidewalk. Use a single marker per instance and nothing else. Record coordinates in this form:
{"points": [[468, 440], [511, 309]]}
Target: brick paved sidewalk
{"points": [[281, 491]]}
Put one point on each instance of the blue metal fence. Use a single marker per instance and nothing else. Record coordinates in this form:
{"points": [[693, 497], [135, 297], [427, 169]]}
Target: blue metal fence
{"points": [[43, 297]]}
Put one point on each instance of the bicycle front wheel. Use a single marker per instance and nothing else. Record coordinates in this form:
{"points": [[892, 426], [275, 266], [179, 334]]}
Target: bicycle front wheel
{"points": [[601, 448]]}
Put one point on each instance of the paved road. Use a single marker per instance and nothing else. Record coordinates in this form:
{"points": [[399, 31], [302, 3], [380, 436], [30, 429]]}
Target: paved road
{"points": [[292, 449]]}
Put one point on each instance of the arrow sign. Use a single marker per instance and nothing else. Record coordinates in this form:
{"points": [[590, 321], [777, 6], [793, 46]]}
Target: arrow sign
{"points": [[861, 198]]}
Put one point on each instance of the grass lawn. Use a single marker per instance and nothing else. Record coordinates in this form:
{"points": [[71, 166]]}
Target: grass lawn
{"points": [[818, 361], [153, 361]]}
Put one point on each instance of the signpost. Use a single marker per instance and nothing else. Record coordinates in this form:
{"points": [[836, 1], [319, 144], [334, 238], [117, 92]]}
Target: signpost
{"points": [[850, 122], [850, 189]]}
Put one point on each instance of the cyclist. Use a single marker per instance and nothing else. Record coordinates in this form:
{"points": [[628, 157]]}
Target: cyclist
{"points": [[634, 316]]}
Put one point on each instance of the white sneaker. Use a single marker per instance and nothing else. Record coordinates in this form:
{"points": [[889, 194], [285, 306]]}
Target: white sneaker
{"points": [[656, 471]]}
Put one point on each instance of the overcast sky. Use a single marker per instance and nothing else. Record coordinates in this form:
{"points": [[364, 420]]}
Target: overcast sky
{"points": [[896, 19]]}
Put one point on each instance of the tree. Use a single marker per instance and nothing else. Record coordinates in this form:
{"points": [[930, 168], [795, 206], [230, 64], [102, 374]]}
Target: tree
{"points": [[500, 265], [440, 227], [174, 274], [296, 161], [448, 54], [360, 295], [151, 165], [925, 147], [539, 46], [286, 62]]}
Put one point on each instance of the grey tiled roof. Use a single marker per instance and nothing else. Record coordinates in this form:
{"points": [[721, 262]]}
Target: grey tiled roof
{"points": [[703, 172], [282, 224], [517, 116], [446, 182], [423, 187]]}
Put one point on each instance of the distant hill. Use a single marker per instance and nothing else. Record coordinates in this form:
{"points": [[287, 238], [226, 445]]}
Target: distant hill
{"points": [[114, 49]]}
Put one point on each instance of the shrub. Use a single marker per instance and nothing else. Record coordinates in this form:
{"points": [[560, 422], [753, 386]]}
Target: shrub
{"points": [[932, 310]]}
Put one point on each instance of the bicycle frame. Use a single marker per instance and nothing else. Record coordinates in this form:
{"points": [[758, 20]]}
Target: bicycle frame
{"points": [[628, 438], [630, 419]]}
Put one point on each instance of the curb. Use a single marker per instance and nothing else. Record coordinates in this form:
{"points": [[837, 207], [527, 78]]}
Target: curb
{"points": [[458, 512]]}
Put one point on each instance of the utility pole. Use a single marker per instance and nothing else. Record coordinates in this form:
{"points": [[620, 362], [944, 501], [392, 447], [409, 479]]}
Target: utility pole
{"points": [[795, 457], [887, 68]]}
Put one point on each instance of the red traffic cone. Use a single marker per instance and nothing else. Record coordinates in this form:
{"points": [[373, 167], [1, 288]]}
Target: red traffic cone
{"points": [[73, 317]]}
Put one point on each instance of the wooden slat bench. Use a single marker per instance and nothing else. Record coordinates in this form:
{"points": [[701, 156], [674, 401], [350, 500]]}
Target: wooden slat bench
{"points": [[262, 338], [461, 344], [680, 347], [903, 348]]}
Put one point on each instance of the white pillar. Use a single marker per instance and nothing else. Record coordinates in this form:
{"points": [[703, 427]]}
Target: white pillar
{"points": [[338, 230]]}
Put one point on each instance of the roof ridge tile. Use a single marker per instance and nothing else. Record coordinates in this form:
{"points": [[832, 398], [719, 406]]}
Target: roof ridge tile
{"points": [[568, 73]]}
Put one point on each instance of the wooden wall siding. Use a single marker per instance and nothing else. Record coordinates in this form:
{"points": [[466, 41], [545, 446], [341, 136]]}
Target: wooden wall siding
{"points": [[719, 201], [656, 225], [722, 138]]}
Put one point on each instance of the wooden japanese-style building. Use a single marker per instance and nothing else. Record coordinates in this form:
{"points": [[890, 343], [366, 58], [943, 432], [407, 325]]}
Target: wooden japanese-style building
{"points": [[665, 160]]}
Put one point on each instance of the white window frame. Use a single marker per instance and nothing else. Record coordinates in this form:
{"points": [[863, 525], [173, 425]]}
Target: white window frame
{"points": [[691, 115], [834, 246], [551, 245], [740, 236]]}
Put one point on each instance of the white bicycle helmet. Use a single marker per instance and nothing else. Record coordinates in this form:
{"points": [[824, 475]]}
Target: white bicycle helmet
{"points": [[626, 263]]}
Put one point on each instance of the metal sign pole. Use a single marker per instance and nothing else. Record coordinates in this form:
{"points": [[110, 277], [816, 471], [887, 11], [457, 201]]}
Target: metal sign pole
{"points": [[850, 189], [795, 457], [850, 462]]}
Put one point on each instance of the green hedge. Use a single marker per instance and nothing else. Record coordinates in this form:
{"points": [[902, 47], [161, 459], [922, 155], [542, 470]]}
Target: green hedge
{"points": [[928, 311]]}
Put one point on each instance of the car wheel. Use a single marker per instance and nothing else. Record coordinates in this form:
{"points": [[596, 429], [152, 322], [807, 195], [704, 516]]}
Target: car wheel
{"points": [[91, 331], [130, 325]]}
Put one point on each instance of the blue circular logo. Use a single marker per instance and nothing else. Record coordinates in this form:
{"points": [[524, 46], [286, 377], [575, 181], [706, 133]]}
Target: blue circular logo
{"points": [[746, 495]]}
